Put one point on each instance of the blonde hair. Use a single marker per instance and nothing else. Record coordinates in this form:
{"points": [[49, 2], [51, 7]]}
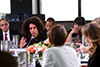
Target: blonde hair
{"points": [[92, 31], [96, 20]]}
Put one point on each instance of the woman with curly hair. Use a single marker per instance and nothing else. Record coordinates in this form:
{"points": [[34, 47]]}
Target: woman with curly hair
{"points": [[31, 29], [91, 35]]}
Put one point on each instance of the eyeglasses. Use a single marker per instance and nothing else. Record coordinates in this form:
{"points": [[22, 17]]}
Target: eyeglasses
{"points": [[4, 24]]}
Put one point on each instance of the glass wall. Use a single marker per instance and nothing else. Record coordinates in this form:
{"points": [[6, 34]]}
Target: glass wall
{"points": [[90, 9], [60, 10], [4, 8]]}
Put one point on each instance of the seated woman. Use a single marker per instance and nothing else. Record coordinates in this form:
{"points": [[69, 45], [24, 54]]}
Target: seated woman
{"points": [[31, 29], [91, 35], [74, 34], [59, 55], [83, 48]]}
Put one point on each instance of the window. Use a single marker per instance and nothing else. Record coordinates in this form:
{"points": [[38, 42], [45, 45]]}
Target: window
{"points": [[5, 6], [90, 9], [60, 10]]}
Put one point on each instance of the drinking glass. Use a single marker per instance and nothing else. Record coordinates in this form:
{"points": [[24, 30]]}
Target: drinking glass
{"points": [[15, 40]]}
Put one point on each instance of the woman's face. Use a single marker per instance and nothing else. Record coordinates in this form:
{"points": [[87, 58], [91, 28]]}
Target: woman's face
{"points": [[33, 30], [77, 27]]}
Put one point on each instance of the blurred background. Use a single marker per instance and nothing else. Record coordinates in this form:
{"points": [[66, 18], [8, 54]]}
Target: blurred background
{"points": [[63, 11]]}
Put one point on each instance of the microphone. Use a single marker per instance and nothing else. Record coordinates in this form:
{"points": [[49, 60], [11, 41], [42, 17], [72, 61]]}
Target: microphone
{"points": [[30, 40]]}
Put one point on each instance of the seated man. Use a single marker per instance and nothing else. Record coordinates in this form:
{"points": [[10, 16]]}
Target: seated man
{"points": [[6, 33], [49, 24]]}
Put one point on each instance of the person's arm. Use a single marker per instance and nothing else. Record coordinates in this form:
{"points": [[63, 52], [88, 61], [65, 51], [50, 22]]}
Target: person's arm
{"points": [[69, 38], [82, 48], [48, 60]]}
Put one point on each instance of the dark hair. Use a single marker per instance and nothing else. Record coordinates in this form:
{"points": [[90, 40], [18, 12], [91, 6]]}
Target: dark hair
{"points": [[79, 20], [34, 20], [50, 19], [7, 60], [57, 35]]}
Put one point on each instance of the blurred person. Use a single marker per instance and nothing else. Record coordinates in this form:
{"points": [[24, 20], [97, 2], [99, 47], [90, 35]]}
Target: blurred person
{"points": [[83, 48], [91, 35], [96, 20], [50, 22], [5, 32], [7, 60], [59, 55], [74, 34], [31, 29]]}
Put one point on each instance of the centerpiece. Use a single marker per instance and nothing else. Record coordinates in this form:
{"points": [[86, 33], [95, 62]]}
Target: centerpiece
{"points": [[36, 50]]}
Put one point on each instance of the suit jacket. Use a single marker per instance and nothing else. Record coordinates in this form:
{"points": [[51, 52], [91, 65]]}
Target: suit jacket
{"points": [[12, 32]]}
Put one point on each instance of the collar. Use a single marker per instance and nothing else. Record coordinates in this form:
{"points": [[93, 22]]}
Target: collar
{"points": [[32, 37], [6, 32]]}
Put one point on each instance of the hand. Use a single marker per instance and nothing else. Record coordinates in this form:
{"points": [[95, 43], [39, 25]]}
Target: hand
{"points": [[23, 42], [82, 49], [74, 31], [78, 44]]}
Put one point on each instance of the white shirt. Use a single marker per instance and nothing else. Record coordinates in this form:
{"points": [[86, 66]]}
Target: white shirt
{"points": [[8, 35], [62, 56]]}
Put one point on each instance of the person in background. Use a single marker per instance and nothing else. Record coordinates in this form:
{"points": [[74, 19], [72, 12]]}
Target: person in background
{"points": [[83, 48], [31, 29], [50, 22], [74, 34], [96, 20], [91, 35], [6, 33], [59, 55], [7, 60]]}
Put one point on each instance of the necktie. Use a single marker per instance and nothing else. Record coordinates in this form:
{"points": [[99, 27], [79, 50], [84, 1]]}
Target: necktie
{"points": [[6, 37]]}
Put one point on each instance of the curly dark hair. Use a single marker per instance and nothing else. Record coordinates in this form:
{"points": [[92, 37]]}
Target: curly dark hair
{"points": [[34, 20]]}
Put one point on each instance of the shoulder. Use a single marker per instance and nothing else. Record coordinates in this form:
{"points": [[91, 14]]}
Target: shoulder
{"points": [[42, 36], [0, 31], [69, 31], [94, 61], [60, 48], [14, 31], [44, 30], [50, 50]]}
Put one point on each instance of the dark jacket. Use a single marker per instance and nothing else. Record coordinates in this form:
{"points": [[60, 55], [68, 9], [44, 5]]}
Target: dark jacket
{"points": [[12, 32], [94, 61], [41, 37]]}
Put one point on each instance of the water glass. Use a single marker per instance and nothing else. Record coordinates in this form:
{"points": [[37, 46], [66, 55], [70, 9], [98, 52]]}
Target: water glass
{"points": [[15, 40]]}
